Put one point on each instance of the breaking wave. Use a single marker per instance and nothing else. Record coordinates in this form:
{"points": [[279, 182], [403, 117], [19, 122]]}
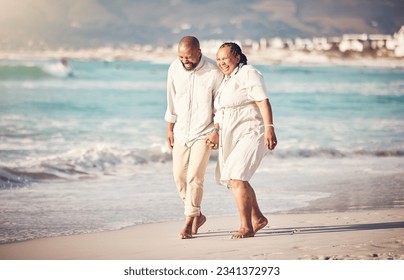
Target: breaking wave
{"points": [[33, 71], [96, 163]]}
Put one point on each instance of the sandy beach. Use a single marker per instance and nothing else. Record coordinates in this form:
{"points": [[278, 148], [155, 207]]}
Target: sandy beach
{"points": [[364, 235]]}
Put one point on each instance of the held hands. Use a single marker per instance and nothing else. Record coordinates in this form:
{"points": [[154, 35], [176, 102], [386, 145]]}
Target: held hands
{"points": [[213, 140]]}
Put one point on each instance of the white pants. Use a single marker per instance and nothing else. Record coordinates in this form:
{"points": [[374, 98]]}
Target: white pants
{"points": [[189, 166]]}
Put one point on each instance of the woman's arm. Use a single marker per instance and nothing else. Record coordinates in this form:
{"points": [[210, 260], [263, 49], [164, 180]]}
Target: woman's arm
{"points": [[266, 113]]}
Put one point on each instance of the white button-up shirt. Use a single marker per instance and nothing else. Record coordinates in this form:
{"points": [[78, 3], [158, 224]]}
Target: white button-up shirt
{"points": [[190, 97]]}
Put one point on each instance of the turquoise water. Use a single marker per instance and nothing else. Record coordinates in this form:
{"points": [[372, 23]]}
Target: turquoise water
{"points": [[85, 151]]}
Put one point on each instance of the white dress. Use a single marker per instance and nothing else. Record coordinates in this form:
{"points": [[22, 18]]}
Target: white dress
{"points": [[242, 143]]}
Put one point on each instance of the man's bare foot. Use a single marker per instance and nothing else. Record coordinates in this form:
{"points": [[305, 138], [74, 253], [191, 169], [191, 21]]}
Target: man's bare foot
{"points": [[243, 233], [259, 224], [186, 232], [197, 223]]}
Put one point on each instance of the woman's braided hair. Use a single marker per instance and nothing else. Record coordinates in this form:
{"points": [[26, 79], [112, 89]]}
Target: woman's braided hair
{"points": [[236, 50]]}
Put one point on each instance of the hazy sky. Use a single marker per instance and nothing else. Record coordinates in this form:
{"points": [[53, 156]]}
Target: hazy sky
{"points": [[24, 20]]}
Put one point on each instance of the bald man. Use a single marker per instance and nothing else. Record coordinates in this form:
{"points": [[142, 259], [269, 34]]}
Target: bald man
{"points": [[192, 85]]}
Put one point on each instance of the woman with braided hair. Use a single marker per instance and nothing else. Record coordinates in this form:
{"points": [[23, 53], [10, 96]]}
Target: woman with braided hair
{"points": [[245, 128]]}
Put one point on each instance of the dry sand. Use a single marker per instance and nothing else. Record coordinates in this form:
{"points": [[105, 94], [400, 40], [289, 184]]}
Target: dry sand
{"points": [[368, 235]]}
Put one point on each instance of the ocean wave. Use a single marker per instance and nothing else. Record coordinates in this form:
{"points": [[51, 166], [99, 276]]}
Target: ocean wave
{"points": [[84, 85], [32, 71], [394, 88], [96, 163], [22, 72], [77, 164], [336, 153]]}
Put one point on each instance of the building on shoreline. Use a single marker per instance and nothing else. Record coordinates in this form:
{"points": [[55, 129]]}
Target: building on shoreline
{"points": [[368, 44]]}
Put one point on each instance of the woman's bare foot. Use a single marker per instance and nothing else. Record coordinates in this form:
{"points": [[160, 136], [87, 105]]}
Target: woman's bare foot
{"points": [[243, 233], [259, 224], [197, 223], [185, 235]]}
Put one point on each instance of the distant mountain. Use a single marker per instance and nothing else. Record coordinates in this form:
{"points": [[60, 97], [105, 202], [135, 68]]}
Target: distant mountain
{"points": [[92, 23]]}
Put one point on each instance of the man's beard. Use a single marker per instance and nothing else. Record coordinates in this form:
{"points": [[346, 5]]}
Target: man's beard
{"points": [[189, 66]]}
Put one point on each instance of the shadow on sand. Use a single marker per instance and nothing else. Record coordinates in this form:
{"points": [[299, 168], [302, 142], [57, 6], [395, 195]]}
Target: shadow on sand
{"points": [[310, 230]]}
